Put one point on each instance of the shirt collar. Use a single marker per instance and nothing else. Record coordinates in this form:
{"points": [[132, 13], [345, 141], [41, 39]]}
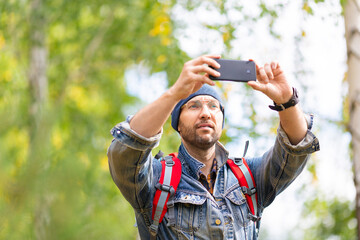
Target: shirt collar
{"points": [[192, 166]]}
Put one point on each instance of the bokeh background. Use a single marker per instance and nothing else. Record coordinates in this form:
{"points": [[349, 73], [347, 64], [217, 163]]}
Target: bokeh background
{"points": [[71, 70]]}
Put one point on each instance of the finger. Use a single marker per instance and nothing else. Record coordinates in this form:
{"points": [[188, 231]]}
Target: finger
{"points": [[274, 65], [257, 68], [204, 79], [255, 85], [262, 76], [207, 59], [276, 68], [206, 69], [268, 71], [217, 56]]}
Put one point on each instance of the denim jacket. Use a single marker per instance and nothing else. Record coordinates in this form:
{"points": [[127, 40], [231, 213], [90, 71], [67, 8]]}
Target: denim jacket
{"points": [[193, 213]]}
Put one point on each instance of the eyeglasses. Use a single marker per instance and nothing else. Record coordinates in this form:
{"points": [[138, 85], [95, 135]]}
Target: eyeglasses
{"points": [[197, 105]]}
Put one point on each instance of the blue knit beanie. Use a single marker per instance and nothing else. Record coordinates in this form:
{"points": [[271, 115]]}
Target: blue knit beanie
{"points": [[204, 90]]}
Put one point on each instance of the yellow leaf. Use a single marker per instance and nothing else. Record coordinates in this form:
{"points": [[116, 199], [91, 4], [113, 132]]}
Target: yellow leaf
{"points": [[57, 140], [104, 164], [165, 41], [226, 36], [161, 59], [7, 75], [2, 41], [77, 95], [161, 26], [155, 31], [307, 8], [18, 140]]}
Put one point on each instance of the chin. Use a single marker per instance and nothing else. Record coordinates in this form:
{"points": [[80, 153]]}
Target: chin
{"points": [[207, 140], [206, 137]]}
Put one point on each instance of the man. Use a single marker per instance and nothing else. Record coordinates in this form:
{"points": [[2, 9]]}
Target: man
{"points": [[208, 203]]}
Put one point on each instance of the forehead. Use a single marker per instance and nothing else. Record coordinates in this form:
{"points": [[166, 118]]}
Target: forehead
{"points": [[203, 98]]}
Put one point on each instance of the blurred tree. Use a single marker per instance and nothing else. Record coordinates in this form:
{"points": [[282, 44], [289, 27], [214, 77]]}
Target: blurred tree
{"points": [[38, 129], [352, 35], [62, 66], [337, 219], [62, 87]]}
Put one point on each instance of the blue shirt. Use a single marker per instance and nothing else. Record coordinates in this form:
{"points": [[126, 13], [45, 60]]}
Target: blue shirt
{"points": [[194, 213]]}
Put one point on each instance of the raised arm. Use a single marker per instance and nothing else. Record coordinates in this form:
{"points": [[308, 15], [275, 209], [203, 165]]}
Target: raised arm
{"points": [[273, 83], [149, 120]]}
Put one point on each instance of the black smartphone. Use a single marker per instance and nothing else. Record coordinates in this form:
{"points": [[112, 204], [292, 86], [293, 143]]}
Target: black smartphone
{"points": [[235, 70]]}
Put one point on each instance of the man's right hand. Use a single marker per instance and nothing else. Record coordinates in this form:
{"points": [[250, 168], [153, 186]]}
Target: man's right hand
{"points": [[149, 120], [194, 74]]}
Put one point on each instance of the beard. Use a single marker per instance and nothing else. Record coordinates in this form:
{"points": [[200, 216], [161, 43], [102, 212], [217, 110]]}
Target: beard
{"points": [[189, 135]]}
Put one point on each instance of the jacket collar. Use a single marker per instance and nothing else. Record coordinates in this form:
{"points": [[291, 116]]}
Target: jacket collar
{"points": [[192, 166]]}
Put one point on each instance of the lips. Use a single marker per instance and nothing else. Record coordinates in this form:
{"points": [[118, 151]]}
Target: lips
{"points": [[204, 125]]}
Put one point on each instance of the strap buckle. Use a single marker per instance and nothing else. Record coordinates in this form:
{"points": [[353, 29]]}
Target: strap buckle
{"points": [[159, 155], [165, 188], [154, 228], [169, 162], [238, 161], [248, 191], [253, 217]]}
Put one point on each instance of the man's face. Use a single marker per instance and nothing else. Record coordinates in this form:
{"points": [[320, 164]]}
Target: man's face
{"points": [[200, 122]]}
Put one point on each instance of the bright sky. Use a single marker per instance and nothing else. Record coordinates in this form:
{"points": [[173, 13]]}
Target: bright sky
{"points": [[323, 51]]}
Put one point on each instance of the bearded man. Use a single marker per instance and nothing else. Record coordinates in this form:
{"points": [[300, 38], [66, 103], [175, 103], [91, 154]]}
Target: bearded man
{"points": [[209, 202]]}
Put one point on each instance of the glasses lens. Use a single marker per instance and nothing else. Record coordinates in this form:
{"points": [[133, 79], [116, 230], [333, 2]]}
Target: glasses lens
{"points": [[213, 105], [197, 105]]}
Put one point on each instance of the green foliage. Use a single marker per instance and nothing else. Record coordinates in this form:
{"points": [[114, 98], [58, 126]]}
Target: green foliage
{"points": [[54, 178], [55, 182], [329, 219], [170, 142]]}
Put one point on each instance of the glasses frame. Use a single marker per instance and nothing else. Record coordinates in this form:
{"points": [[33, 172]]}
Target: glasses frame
{"points": [[203, 102]]}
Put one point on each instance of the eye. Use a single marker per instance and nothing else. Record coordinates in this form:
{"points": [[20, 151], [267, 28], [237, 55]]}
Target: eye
{"points": [[213, 105], [194, 105]]}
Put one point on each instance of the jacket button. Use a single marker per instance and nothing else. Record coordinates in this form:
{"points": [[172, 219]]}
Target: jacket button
{"points": [[217, 221]]}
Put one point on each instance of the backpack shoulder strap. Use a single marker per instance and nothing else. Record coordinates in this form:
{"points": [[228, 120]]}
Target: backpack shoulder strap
{"points": [[165, 188], [246, 180]]}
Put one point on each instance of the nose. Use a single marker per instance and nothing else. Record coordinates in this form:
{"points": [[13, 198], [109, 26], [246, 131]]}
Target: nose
{"points": [[205, 112]]}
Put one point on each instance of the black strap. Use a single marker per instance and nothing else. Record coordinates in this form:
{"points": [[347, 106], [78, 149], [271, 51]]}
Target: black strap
{"points": [[246, 148], [159, 155], [292, 102]]}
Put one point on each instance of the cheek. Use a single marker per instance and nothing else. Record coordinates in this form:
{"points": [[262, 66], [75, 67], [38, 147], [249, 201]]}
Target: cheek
{"points": [[219, 121], [184, 120]]}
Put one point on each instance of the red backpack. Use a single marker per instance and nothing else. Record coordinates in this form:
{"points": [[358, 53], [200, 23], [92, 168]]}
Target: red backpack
{"points": [[170, 178]]}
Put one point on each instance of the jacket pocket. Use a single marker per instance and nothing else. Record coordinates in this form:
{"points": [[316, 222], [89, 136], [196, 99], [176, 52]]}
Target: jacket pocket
{"points": [[189, 212], [237, 204]]}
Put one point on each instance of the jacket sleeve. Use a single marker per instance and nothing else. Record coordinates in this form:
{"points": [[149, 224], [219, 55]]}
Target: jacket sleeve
{"points": [[130, 163], [279, 166]]}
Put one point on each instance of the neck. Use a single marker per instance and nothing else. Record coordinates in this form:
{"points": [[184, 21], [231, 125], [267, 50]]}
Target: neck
{"points": [[205, 156]]}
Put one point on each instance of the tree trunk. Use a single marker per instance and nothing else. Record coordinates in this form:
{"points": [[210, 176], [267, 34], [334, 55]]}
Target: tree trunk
{"points": [[38, 127], [37, 65], [352, 34]]}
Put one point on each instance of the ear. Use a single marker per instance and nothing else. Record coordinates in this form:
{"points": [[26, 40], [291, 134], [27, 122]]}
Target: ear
{"points": [[179, 124]]}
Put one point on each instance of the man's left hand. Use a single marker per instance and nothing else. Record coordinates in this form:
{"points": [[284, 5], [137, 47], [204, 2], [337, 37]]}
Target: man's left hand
{"points": [[272, 82]]}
